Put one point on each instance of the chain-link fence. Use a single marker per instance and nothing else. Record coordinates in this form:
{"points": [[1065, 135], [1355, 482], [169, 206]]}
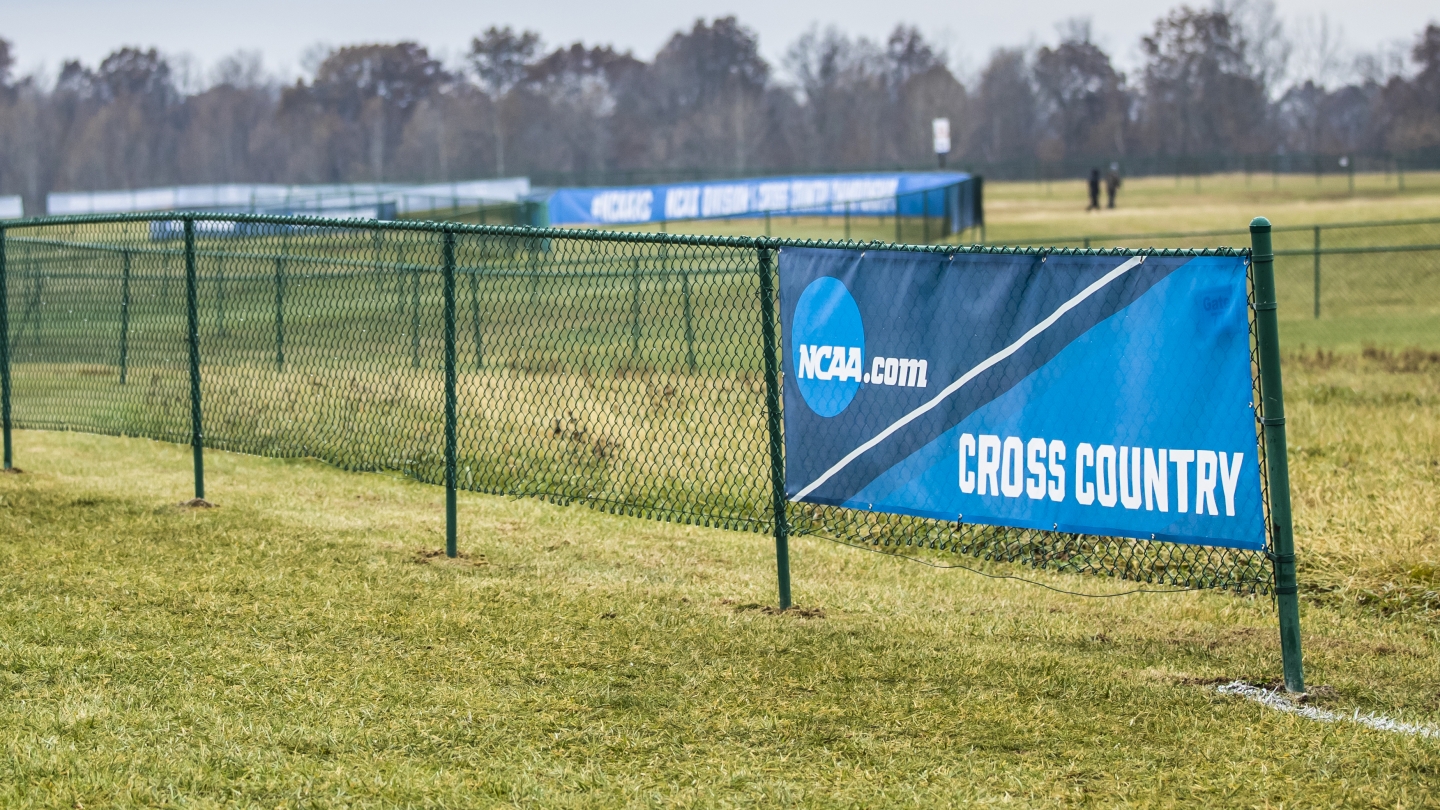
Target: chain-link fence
{"points": [[1302, 238], [634, 373], [1342, 285]]}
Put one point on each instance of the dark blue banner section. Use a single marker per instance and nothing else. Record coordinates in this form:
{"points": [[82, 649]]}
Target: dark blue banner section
{"points": [[913, 194], [1104, 395]]}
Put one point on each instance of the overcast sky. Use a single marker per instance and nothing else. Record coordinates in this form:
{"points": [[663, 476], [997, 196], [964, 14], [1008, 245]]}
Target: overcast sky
{"points": [[44, 32]]}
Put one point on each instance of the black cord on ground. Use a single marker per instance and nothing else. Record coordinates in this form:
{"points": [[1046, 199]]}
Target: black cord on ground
{"points": [[1005, 576]]}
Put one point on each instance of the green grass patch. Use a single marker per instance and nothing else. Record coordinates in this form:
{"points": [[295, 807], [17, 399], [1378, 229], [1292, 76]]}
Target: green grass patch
{"points": [[304, 644], [1024, 212], [1355, 333], [1380, 299]]}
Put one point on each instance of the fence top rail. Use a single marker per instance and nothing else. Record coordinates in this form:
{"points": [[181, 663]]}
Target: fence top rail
{"points": [[598, 235], [1365, 249], [1324, 226], [551, 268]]}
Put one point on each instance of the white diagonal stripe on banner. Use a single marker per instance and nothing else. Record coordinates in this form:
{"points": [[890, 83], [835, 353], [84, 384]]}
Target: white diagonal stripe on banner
{"points": [[972, 373]]}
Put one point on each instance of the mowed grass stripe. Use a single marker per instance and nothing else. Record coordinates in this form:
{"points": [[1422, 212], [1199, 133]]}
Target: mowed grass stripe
{"points": [[304, 645]]}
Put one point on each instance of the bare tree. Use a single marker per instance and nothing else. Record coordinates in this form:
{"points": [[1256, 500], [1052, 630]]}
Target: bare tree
{"points": [[845, 87], [1412, 106], [1202, 94], [1008, 107], [500, 59], [1084, 100], [708, 83], [1214, 81]]}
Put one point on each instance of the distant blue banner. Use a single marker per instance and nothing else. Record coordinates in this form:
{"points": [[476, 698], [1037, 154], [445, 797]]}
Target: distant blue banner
{"points": [[916, 193], [1087, 394]]}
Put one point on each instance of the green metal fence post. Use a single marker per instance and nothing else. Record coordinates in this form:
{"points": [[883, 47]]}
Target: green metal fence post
{"points": [[473, 273], [197, 430], [448, 258], [1317, 272], [847, 221], [5, 357], [1272, 417], [34, 296], [689, 315], [772, 418], [279, 314], [415, 318], [533, 263], [220, 296], [124, 315], [635, 310], [377, 247], [980, 204], [898, 237], [400, 276]]}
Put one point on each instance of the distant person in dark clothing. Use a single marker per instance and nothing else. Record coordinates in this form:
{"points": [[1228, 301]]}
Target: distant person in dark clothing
{"points": [[1112, 184], [1094, 190]]}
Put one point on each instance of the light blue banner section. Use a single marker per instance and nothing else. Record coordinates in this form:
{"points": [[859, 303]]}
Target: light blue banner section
{"points": [[366, 200], [808, 195], [1142, 427]]}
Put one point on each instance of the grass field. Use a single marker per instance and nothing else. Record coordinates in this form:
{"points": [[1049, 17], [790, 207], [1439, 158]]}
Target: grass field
{"points": [[306, 644], [1045, 212], [1389, 300], [1038, 211]]}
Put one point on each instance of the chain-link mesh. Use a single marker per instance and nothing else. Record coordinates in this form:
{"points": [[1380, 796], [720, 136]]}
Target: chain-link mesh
{"points": [[1344, 286], [623, 371], [1289, 238]]}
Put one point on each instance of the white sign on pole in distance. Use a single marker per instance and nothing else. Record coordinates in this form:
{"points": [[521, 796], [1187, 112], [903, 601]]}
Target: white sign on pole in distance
{"points": [[941, 127]]}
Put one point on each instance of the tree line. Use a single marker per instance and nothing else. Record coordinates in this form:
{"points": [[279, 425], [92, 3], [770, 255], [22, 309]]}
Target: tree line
{"points": [[1214, 81]]}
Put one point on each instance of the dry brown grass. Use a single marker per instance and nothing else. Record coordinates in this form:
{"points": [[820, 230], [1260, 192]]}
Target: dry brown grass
{"points": [[1364, 432]]}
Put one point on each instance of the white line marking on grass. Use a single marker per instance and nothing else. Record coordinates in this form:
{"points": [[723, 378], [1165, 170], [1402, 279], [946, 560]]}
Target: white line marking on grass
{"points": [[1275, 701], [972, 374]]}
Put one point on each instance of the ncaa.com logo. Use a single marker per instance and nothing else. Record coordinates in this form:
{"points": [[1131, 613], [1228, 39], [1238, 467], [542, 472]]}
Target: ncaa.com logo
{"points": [[828, 342]]}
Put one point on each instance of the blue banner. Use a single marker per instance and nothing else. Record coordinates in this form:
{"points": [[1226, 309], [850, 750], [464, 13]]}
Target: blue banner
{"points": [[1104, 395], [916, 193]]}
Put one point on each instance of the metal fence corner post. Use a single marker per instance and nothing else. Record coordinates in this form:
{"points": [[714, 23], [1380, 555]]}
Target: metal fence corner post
{"points": [[925, 217], [772, 418], [5, 357], [448, 259], [192, 319], [980, 204], [686, 304], [635, 312], [280, 311], [124, 315], [476, 326], [1272, 418]]}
